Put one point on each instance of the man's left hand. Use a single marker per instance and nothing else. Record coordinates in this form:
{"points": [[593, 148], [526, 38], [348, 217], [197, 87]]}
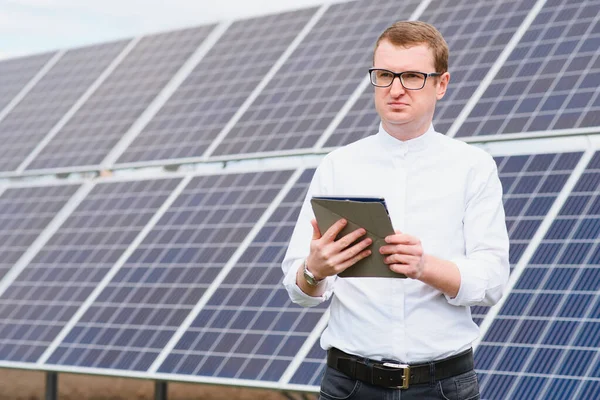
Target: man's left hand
{"points": [[405, 254]]}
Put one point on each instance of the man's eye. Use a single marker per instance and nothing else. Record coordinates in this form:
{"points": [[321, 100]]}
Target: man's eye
{"points": [[412, 76], [385, 75]]}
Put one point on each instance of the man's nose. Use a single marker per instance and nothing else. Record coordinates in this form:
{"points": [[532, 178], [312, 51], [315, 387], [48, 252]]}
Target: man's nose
{"points": [[396, 88]]}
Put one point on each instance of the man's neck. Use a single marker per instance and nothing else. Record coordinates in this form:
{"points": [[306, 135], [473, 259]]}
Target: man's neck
{"points": [[405, 132]]}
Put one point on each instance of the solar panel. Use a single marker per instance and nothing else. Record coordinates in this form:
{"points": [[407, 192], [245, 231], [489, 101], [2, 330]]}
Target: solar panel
{"points": [[544, 342], [249, 329], [15, 73], [531, 184], [311, 370], [33, 118], [138, 312], [549, 81], [216, 88], [104, 118], [42, 299], [305, 95], [476, 32], [24, 213]]}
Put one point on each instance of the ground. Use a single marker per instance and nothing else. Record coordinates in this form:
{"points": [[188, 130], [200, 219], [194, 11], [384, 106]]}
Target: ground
{"points": [[28, 385]]}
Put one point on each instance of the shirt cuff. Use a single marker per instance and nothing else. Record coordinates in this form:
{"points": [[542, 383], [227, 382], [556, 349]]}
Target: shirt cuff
{"points": [[298, 296], [473, 283]]}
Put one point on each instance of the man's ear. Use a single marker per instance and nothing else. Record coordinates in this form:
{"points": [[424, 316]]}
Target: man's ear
{"points": [[442, 85]]}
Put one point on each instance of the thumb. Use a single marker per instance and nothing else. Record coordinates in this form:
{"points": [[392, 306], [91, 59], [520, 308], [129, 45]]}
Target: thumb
{"points": [[316, 232]]}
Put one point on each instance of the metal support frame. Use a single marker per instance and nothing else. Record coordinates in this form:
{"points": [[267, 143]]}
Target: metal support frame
{"points": [[160, 390], [51, 386]]}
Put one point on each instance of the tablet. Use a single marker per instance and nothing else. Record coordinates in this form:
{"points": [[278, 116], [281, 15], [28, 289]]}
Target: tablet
{"points": [[369, 213]]}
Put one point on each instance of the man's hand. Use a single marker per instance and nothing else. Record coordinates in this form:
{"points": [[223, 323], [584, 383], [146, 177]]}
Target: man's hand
{"points": [[405, 255], [329, 256]]}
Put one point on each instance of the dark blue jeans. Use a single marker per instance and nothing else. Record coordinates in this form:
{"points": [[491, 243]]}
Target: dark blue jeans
{"points": [[337, 386]]}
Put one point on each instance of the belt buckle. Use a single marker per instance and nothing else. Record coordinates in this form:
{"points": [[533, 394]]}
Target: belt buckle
{"points": [[405, 373]]}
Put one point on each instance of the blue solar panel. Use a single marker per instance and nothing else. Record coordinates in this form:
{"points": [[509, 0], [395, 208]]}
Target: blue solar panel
{"points": [[249, 329], [216, 88], [15, 73], [548, 327], [476, 32], [311, 87], [33, 118], [311, 370], [154, 291], [106, 116], [550, 80], [531, 183], [24, 213], [42, 299]]}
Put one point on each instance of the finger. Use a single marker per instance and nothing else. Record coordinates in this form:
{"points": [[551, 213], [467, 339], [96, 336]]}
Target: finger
{"points": [[408, 270], [399, 268], [400, 249], [350, 238], [351, 252], [399, 259], [401, 238], [316, 232], [348, 263], [334, 230]]}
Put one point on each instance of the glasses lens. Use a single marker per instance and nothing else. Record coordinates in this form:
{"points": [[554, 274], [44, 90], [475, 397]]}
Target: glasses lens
{"points": [[413, 80], [381, 77]]}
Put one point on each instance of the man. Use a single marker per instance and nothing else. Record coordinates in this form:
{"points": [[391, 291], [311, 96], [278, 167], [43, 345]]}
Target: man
{"points": [[411, 337]]}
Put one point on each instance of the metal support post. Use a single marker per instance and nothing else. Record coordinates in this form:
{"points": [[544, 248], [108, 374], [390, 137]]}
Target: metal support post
{"points": [[160, 390], [51, 386]]}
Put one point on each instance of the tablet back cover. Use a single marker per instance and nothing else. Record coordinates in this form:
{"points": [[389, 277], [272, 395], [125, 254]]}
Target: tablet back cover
{"points": [[373, 217]]}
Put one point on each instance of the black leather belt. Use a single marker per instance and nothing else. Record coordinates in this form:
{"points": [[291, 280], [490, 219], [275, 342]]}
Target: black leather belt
{"points": [[393, 375]]}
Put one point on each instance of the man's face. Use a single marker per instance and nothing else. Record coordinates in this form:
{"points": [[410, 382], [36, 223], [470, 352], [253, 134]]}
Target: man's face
{"points": [[407, 111]]}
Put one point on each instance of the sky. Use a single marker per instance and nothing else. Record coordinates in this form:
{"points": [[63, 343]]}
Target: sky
{"points": [[36, 26]]}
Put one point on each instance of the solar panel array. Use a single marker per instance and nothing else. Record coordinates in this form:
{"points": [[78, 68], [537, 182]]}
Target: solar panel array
{"points": [[549, 81], [314, 83], [16, 73], [24, 213], [147, 300], [45, 104], [212, 93], [544, 341], [531, 184], [176, 275], [106, 116]]}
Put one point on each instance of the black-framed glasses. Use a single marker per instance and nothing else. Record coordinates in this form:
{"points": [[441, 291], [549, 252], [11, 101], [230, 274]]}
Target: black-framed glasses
{"points": [[410, 80]]}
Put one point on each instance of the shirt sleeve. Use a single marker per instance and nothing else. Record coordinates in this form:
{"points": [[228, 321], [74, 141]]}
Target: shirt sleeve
{"points": [[485, 268], [299, 245]]}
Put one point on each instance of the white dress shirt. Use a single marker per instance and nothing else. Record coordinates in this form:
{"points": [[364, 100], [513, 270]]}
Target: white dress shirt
{"points": [[444, 192]]}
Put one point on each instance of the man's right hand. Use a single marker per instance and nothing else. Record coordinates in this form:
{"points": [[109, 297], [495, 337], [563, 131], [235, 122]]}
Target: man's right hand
{"points": [[329, 256]]}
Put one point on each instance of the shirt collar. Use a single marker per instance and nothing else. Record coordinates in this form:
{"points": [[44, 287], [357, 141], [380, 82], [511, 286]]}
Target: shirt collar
{"points": [[398, 146]]}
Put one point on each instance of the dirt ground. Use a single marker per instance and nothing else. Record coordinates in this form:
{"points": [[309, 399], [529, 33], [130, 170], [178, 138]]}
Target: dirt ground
{"points": [[28, 385]]}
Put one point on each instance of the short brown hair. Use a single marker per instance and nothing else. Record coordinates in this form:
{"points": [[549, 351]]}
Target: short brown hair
{"points": [[413, 33]]}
